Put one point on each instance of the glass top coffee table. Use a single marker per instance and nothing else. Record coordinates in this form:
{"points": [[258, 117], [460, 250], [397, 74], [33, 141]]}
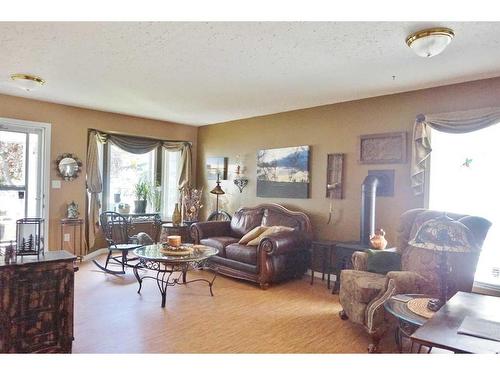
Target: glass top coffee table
{"points": [[172, 270]]}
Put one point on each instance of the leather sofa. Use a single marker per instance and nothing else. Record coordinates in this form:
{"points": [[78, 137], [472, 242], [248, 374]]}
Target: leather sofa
{"points": [[279, 256]]}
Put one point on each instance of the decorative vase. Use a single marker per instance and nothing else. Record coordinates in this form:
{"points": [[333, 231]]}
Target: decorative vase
{"points": [[378, 241], [140, 206], [176, 215]]}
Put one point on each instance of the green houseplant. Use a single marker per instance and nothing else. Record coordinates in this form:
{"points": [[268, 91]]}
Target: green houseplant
{"points": [[142, 193]]}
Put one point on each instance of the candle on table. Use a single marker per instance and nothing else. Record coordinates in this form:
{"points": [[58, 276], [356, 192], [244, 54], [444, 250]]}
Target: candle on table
{"points": [[174, 241]]}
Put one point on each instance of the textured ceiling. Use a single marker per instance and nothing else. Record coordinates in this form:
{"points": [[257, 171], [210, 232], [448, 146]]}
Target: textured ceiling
{"points": [[203, 72]]}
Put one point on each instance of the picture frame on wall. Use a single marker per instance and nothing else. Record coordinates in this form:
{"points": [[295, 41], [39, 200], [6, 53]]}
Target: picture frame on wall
{"points": [[216, 165], [283, 172], [383, 148]]}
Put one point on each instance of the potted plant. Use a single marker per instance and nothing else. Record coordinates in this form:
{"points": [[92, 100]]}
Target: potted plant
{"points": [[142, 191]]}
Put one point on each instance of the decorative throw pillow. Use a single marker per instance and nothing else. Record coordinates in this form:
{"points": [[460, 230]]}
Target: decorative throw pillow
{"points": [[267, 232], [254, 233], [380, 261]]}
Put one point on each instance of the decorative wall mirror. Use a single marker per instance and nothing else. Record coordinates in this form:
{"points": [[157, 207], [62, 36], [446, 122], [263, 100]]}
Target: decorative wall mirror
{"points": [[68, 166]]}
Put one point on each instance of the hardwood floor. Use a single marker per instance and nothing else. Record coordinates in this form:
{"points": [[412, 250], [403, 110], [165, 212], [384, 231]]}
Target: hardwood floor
{"points": [[294, 317]]}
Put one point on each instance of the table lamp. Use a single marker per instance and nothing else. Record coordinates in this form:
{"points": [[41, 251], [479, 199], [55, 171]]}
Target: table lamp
{"points": [[444, 235], [217, 190]]}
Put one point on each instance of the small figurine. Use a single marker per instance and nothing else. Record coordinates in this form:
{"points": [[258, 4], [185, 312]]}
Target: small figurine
{"points": [[378, 241], [10, 254], [73, 210]]}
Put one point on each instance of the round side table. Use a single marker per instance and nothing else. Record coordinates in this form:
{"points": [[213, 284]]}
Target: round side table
{"points": [[408, 321]]}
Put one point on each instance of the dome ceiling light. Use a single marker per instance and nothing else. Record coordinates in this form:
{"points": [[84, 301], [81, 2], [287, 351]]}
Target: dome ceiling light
{"points": [[27, 82], [430, 42]]}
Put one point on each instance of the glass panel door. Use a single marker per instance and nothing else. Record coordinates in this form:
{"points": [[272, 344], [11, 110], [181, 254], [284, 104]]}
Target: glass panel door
{"points": [[20, 179]]}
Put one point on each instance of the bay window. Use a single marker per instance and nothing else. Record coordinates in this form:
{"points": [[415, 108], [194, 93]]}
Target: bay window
{"points": [[123, 170]]}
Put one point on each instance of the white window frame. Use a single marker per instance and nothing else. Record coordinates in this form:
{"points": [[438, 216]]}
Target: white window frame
{"points": [[45, 127]]}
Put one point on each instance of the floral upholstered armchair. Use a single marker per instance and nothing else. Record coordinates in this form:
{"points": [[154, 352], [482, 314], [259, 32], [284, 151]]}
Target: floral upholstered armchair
{"points": [[362, 293]]}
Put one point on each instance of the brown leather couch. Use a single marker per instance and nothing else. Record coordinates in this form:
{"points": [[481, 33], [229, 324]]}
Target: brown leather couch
{"points": [[278, 257]]}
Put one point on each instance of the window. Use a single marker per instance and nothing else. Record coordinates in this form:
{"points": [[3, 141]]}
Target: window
{"points": [[122, 170], [464, 179]]}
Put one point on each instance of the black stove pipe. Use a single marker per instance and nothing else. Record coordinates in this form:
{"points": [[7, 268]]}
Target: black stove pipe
{"points": [[368, 196]]}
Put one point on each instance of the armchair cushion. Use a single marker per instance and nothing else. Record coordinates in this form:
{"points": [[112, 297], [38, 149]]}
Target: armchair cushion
{"points": [[380, 261], [361, 286], [407, 282]]}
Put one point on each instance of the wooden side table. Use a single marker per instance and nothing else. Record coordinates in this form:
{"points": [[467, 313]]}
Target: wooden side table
{"points": [[74, 226], [169, 229], [324, 249]]}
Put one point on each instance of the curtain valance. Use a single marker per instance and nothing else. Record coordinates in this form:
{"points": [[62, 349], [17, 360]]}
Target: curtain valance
{"points": [[452, 122], [138, 145]]}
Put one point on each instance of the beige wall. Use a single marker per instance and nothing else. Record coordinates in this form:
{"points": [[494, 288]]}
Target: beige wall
{"points": [[330, 129], [69, 135]]}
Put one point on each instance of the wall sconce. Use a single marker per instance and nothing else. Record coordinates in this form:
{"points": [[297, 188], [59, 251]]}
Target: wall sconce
{"points": [[241, 182]]}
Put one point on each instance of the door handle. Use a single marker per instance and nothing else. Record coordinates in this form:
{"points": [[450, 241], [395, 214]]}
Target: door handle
{"points": [[20, 194]]}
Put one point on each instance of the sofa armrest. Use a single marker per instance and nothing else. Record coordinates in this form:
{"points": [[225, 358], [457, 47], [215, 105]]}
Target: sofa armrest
{"points": [[283, 242], [360, 261], [406, 282], [208, 229]]}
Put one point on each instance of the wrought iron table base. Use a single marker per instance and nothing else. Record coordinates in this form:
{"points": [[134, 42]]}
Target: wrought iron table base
{"points": [[165, 275], [405, 330]]}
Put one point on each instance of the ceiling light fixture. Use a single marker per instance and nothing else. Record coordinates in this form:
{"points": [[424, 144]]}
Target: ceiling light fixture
{"points": [[27, 82], [430, 42]]}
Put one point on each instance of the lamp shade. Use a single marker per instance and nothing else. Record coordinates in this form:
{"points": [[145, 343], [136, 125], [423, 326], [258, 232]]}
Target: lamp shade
{"points": [[217, 190], [430, 42], [444, 234]]}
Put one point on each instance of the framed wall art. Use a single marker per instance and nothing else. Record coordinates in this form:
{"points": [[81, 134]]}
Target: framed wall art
{"points": [[216, 165], [383, 148], [283, 172]]}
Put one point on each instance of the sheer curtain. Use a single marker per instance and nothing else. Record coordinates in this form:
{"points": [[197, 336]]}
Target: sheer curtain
{"points": [[464, 179]]}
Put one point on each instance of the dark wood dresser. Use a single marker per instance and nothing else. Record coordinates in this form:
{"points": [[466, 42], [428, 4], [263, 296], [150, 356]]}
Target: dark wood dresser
{"points": [[36, 304]]}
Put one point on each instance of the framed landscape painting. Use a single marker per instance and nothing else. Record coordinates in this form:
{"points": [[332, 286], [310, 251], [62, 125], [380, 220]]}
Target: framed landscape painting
{"points": [[283, 172], [216, 165]]}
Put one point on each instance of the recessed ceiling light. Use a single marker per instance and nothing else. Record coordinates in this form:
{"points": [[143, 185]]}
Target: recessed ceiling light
{"points": [[27, 82], [430, 42]]}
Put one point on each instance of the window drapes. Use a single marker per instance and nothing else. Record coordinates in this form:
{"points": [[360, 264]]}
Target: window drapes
{"points": [[135, 145], [452, 122]]}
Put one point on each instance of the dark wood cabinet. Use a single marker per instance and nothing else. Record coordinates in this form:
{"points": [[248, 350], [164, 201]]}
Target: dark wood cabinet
{"points": [[36, 304]]}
